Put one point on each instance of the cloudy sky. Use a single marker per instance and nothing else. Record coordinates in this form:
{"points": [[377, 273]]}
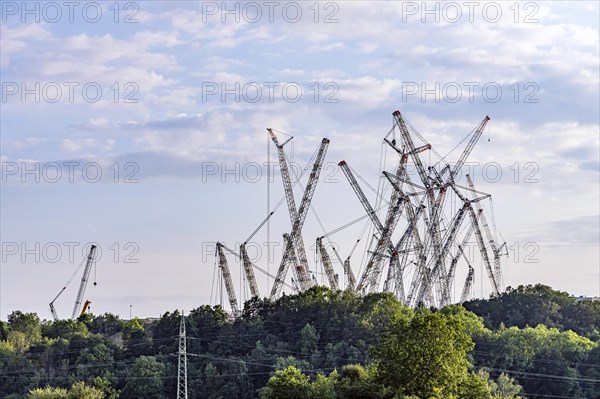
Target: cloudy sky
{"points": [[140, 126]]}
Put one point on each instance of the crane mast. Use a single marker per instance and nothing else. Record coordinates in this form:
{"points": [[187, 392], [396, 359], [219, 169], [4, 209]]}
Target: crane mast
{"points": [[84, 280], [224, 266]]}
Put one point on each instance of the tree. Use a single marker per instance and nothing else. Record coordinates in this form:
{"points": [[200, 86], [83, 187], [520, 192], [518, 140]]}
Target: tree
{"points": [[24, 330], [136, 338], [77, 391], [80, 391], [3, 330], [324, 387], [145, 379], [474, 387], [356, 382], [289, 383], [64, 329], [424, 356], [48, 393]]}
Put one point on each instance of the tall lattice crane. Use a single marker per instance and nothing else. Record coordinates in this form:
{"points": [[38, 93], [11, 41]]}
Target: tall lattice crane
{"points": [[489, 235], [84, 280], [297, 217], [89, 261], [224, 266], [329, 271]]}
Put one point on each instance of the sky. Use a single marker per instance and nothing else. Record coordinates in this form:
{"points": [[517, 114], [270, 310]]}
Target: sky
{"points": [[141, 127]]}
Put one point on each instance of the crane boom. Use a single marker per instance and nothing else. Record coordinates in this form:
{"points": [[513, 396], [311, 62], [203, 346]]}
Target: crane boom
{"points": [[298, 216], [309, 191], [248, 269], [333, 283], [384, 240], [84, 280], [450, 236], [467, 287], [283, 266], [361, 195], [52, 309], [350, 274], [489, 235], [411, 148], [463, 157], [224, 266], [390, 224], [237, 255], [483, 250], [291, 203]]}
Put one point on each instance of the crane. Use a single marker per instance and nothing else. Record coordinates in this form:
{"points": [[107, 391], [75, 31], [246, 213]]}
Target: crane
{"points": [[249, 271], [483, 250], [489, 235], [468, 283], [297, 217], [331, 277], [385, 232], [289, 256], [84, 280], [463, 157], [450, 236], [85, 308], [291, 202], [248, 267], [88, 267], [224, 266], [239, 256]]}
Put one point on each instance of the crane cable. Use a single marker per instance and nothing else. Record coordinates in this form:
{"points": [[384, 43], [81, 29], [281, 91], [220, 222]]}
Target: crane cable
{"points": [[71, 278]]}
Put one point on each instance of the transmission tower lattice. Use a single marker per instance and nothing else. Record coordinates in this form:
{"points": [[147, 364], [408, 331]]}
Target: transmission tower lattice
{"points": [[182, 392]]}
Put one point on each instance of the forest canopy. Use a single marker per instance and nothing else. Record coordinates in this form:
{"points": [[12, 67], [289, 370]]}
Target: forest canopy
{"points": [[530, 341]]}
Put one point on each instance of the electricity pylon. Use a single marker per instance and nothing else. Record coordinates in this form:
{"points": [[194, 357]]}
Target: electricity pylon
{"points": [[182, 392]]}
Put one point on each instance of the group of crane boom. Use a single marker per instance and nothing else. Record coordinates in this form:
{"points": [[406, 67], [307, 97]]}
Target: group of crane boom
{"points": [[426, 254]]}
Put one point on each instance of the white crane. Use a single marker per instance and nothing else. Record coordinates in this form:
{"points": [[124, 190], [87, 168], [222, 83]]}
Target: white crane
{"points": [[297, 217], [82, 286]]}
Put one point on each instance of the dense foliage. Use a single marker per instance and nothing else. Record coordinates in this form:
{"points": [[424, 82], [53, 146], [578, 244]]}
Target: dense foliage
{"points": [[320, 345]]}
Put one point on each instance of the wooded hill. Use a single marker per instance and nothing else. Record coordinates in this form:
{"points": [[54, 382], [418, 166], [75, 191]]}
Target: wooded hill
{"points": [[529, 342]]}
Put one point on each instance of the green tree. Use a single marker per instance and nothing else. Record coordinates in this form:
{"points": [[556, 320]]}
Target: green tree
{"points": [[24, 330], [136, 338], [145, 380], [64, 329], [77, 391], [324, 387], [289, 383], [424, 356], [80, 391], [4, 329], [474, 387], [48, 393], [356, 382]]}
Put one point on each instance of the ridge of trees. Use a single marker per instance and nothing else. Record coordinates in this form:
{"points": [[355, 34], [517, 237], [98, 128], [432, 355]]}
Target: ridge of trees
{"points": [[316, 345]]}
